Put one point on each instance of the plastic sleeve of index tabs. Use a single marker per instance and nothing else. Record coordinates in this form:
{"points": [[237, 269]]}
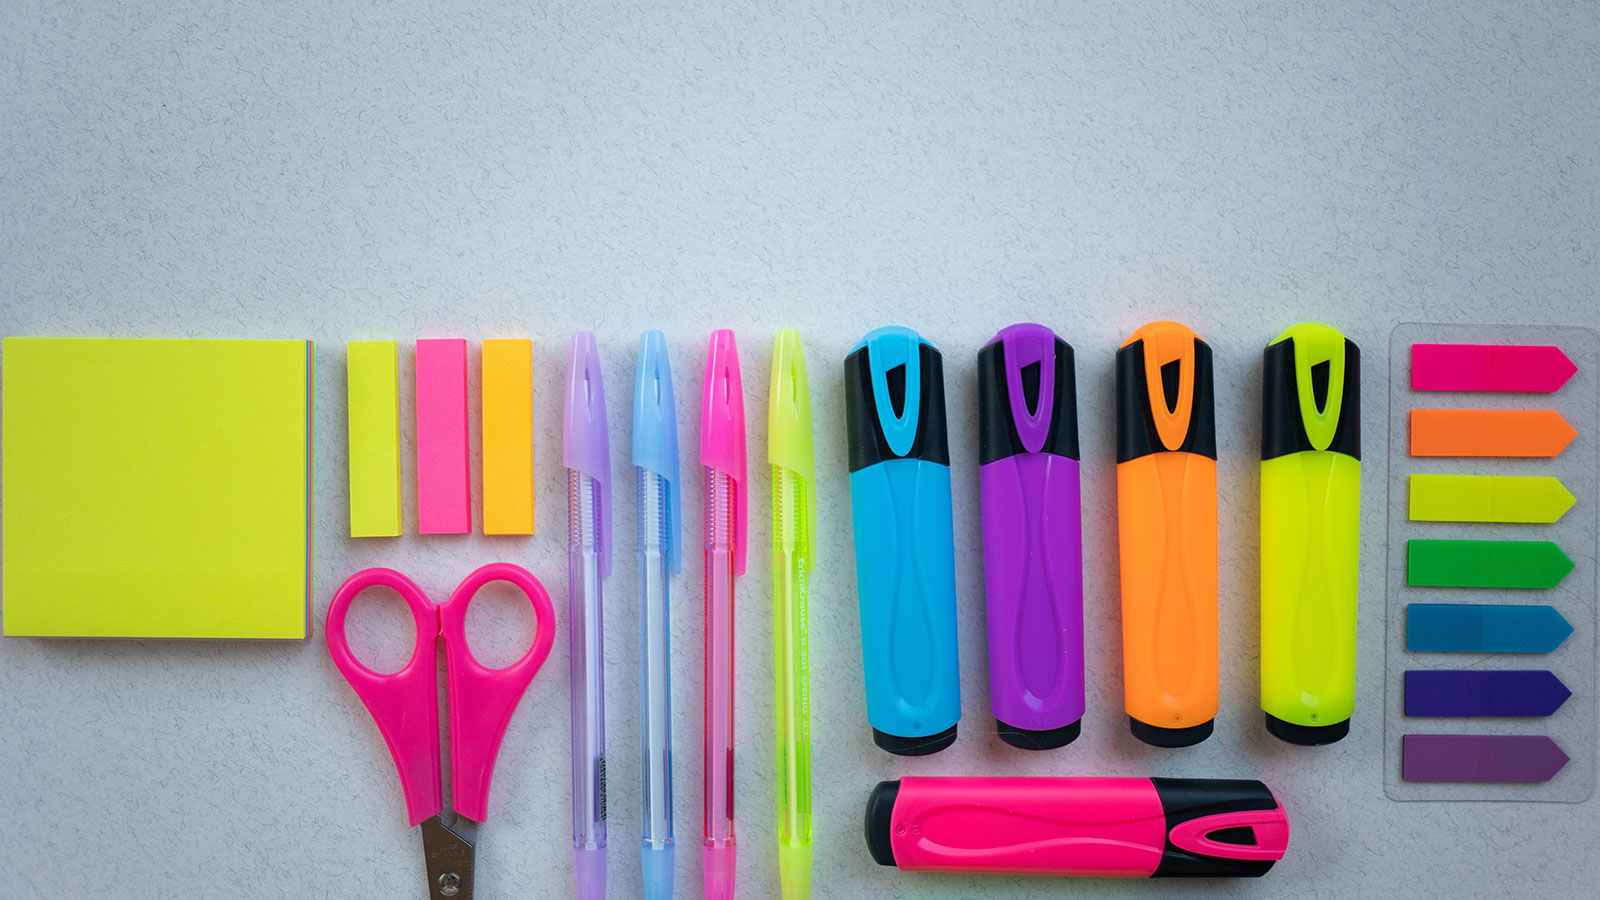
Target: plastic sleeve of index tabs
{"points": [[1489, 367], [444, 494], [507, 436], [373, 383]]}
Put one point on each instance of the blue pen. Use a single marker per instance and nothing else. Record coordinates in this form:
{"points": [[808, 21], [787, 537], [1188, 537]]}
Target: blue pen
{"points": [[905, 541], [655, 456]]}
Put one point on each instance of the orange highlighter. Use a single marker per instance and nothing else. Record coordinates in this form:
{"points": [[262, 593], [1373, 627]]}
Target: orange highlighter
{"points": [[1167, 530]]}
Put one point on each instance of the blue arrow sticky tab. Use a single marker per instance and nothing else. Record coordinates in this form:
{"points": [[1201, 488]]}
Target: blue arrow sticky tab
{"points": [[1483, 628], [1484, 692]]}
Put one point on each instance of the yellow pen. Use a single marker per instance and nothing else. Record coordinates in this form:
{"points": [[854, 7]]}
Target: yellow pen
{"points": [[794, 526], [1310, 532]]}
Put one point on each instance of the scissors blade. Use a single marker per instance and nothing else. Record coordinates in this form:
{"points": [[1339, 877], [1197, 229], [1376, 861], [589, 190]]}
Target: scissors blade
{"points": [[449, 853]]}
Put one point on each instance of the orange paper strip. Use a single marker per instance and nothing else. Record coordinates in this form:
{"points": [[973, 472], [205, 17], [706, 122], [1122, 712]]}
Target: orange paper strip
{"points": [[1489, 432]]}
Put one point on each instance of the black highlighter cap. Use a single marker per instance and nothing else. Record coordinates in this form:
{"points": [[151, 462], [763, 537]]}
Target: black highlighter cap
{"points": [[1136, 427], [1157, 736], [879, 822], [1283, 429], [1049, 739], [868, 437], [1184, 799], [914, 746], [1306, 735], [998, 437]]}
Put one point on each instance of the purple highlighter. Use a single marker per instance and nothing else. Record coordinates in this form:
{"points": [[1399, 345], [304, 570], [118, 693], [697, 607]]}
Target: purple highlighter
{"points": [[1032, 536]]}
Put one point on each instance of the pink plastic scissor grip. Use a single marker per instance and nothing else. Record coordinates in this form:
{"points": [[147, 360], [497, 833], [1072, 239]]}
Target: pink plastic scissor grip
{"points": [[482, 699], [405, 704]]}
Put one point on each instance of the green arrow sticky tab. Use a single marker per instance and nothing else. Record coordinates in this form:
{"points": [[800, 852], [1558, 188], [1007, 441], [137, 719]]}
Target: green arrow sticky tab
{"points": [[1488, 498], [1491, 564]]}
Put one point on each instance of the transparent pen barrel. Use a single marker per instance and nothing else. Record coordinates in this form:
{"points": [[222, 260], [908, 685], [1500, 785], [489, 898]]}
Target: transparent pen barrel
{"points": [[790, 549], [655, 684], [719, 659], [585, 626]]}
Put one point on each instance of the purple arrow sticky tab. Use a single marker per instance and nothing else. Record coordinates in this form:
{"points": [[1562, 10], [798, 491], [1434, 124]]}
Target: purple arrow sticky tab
{"points": [[1480, 758], [1472, 692]]}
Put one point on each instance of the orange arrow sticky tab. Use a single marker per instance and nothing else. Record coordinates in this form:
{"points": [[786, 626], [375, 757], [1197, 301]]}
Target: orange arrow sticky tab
{"points": [[1489, 432]]}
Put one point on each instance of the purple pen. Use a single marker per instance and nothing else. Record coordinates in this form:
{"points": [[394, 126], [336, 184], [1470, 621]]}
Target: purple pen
{"points": [[586, 450], [1032, 536]]}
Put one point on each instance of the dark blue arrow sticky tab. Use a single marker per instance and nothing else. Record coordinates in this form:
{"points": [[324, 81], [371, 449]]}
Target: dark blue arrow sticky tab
{"points": [[1483, 628], [1475, 692]]}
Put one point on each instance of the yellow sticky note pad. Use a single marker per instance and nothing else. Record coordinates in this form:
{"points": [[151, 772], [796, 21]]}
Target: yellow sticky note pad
{"points": [[156, 488], [508, 436], [372, 371]]}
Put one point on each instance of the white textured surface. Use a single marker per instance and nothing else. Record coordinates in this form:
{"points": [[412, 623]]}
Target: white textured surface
{"points": [[424, 169]]}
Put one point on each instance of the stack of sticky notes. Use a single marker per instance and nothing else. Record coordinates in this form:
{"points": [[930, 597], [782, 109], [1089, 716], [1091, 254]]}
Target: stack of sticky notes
{"points": [[1479, 631], [156, 488], [444, 480]]}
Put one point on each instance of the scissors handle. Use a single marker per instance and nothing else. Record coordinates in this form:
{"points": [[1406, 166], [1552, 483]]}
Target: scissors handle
{"points": [[405, 704], [482, 699]]}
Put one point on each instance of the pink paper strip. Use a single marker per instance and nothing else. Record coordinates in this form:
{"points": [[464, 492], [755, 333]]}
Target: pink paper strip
{"points": [[444, 487], [1489, 367]]}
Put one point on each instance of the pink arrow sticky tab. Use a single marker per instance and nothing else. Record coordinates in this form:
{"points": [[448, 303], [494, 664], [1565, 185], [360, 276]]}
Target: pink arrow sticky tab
{"points": [[1489, 367]]}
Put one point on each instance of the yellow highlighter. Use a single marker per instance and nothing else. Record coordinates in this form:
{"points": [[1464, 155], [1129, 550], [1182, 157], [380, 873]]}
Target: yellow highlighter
{"points": [[1310, 532]]}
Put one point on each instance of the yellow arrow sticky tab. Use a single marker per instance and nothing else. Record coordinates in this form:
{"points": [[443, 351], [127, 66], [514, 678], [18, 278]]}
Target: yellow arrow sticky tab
{"points": [[1488, 498]]}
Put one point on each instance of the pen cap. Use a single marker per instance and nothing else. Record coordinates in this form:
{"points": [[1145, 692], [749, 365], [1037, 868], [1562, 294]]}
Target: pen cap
{"points": [[1027, 395], [655, 432], [894, 399], [1164, 393], [585, 445], [1311, 392], [789, 438], [722, 444]]}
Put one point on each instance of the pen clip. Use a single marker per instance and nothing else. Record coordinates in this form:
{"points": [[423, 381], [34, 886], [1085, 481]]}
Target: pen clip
{"points": [[722, 444], [1030, 361], [789, 441], [585, 445], [655, 433]]}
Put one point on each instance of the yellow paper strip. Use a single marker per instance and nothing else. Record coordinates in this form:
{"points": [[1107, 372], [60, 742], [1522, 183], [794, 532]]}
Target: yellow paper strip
{"points": [[1488, 498], [508, 436], [373, 372]]}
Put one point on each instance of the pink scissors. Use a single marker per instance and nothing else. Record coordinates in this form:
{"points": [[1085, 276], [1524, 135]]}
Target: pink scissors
{"points": [[406, 707]]}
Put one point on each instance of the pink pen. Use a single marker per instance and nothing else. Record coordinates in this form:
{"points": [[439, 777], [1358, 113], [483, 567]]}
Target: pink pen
{"points": [[722, 454]]}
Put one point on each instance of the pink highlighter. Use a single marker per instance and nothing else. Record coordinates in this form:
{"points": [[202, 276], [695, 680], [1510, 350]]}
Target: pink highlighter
{"points": [[1104, 827]]}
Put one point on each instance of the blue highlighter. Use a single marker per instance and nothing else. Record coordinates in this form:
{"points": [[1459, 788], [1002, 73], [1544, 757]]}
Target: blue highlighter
{"points": [[904, 540]]}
